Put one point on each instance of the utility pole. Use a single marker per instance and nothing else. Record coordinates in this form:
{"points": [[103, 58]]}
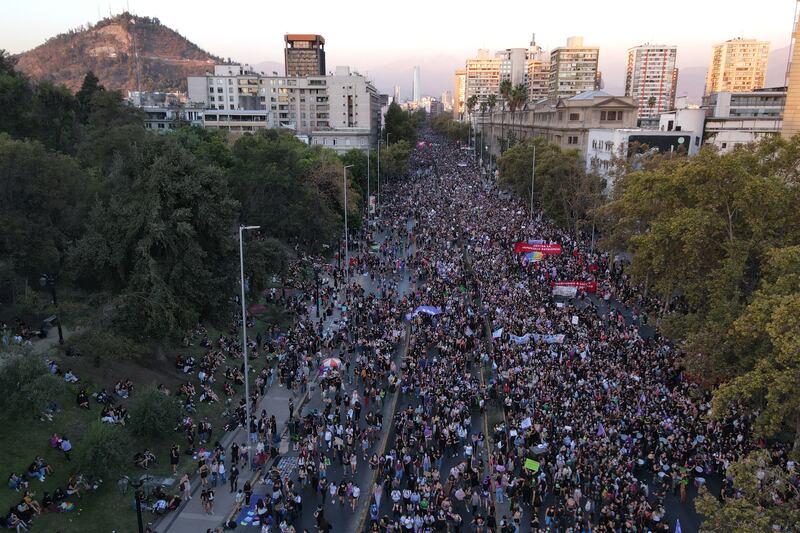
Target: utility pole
{"points": [[244, 343], [369, 149], [378, 202]]}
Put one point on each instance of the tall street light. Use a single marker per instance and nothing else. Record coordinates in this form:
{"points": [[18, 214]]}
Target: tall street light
{"points": [[346, 236], [244, 341], [369, 198], [48, 281]]}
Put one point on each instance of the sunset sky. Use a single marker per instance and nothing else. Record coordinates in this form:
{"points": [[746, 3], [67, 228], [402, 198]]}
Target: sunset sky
{"points": [[385, 39]]}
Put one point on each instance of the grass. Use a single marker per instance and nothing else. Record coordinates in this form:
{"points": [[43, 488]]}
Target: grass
{"points": [[105, 510]]}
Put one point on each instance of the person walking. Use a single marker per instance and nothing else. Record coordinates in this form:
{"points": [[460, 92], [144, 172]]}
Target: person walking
{"points": [[234, 477], [174, 458]]}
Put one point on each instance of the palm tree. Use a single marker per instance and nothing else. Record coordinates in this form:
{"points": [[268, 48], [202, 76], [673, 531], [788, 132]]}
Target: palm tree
{"points": [[505, 92], [517, 97], [491, 101], [483, 107], [472, 101]]}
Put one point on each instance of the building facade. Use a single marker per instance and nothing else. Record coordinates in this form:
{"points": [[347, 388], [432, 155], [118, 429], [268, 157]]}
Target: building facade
{"points": [[565, 123], [573, 69], [732, 119], [415, 90], [459, 92], [737, 65], [482, 76], [537, 75], [237, 99], [513, 65], [791, 112], [651, 78], [304, 54]]}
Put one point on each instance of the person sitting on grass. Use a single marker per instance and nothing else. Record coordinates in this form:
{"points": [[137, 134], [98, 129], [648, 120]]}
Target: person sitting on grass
{"points": [[37, 471], [83, 399], [143, 459], [69, 377], [30, 502], [72, 487], [15, 522], [16, 482]]}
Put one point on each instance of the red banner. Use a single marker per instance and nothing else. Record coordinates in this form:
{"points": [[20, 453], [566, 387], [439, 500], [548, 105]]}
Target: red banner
{"points": [[589, 286], [524, 247]]}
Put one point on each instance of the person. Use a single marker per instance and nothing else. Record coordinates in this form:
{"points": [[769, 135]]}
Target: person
{"points": [[83, 399], [69, 377], [174, 458], [185, 486], [234, 477], [66, 447]]}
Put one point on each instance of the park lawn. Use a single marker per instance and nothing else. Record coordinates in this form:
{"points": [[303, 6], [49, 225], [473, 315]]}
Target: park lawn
{"points": [[102, 511]]}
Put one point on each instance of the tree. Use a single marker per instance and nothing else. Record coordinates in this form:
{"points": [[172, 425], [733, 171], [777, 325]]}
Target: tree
{"points": [[153, 413], [265, 258], [104, 452], [766, 500], [505, 93], [89, 87], [162, 242], [491, 102], [445, 125], [699, 228], [394, 160], [400, 124], [567, 194], [42, 205], [27, 384], [769, 328]]}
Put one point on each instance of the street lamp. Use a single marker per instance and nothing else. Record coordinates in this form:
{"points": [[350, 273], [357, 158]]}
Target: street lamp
{"points": [[346, 236], [139, 496], [244, 342], [48, 281]]}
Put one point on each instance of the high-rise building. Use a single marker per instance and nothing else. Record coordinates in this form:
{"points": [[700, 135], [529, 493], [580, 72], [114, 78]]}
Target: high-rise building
{"points": [[738, 65], [304, 54], [652, 78], [573, 69], [512, 65], [447, 100], [791, 111], [415, 85], [459, 92], [537, 75], [482, 76], [397, 93]]}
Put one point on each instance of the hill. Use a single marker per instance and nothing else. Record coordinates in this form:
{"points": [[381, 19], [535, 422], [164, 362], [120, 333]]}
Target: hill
{"points": [[166, 58]]}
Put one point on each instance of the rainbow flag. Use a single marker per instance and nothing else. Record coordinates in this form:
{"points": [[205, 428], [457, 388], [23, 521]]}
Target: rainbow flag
{"points": [[531, 257]]}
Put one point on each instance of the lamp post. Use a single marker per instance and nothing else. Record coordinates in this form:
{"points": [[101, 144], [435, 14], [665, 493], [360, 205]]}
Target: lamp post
{"points": [[244, 341], [138, 495], [378, 202], [48, 281], [346, 236], [369, 149], [533, 177]]}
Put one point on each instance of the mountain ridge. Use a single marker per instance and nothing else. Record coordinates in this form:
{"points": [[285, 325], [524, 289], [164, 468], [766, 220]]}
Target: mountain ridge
{"points": [[109, 49]]}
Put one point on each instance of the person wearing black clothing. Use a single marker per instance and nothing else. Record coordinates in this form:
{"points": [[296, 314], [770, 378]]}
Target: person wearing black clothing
{"points": [[234, 477]]}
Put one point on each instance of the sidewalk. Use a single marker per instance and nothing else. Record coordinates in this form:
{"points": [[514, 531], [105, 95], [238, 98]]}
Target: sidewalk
{"points": [[190, 517]]}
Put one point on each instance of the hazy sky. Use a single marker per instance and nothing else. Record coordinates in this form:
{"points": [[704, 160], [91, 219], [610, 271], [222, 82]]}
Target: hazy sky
{"points": [[386, 38]]}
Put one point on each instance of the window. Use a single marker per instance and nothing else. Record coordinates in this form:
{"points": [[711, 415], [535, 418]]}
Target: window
{"points": [[572, 139], [724, 145], [574, 116], [560, 115]]}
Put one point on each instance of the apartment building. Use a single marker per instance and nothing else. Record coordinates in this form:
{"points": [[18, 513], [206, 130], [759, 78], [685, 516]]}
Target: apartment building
{"points": [[304, 54], [537, 75], [737, 65], [238, 99], [482, 76], [573, 69], [651, 78], [513, 65], [732, 119], [459, 92]]}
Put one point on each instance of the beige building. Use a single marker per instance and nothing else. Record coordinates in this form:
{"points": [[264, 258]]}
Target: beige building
{"points": [[482, 76], [791, 111], [573, 69], [459, 90], [238, 99], [651, 78], [738, 65], [537, 76], [565, 122]]}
